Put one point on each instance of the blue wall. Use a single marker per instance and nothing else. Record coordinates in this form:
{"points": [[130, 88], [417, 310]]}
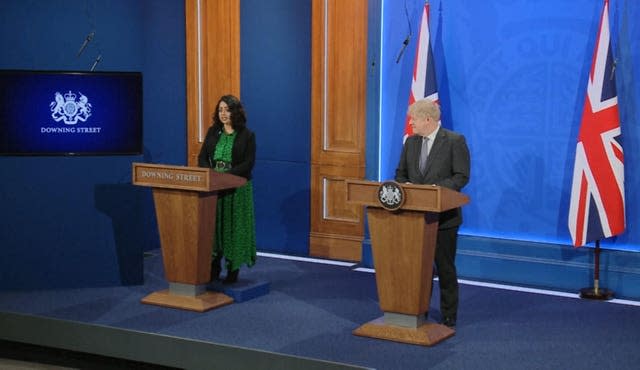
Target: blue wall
{"points": [[512, 78], [276, 90], [69, 221], [79, 221]]}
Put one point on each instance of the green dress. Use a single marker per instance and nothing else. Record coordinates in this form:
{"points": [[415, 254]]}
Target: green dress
{"points": [[235, 237]]}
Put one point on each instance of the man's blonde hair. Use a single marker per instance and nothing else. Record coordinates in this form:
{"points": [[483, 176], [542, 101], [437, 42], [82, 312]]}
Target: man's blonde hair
{"points": [[424, 108]]}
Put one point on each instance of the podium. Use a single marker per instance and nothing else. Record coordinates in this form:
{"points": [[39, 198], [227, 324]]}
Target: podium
{"points": [[185, 201], [403, 237]]}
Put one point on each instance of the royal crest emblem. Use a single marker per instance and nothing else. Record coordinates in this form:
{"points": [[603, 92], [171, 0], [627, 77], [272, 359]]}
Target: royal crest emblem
{"points": [[391, 195], [69, 109]]}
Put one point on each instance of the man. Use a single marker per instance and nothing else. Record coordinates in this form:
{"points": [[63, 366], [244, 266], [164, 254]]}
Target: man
{"points": [[437, 156]]}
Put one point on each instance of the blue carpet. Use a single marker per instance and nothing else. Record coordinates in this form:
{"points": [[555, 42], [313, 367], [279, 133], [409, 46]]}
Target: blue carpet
{"points": [[311, 310], [242, 290]]}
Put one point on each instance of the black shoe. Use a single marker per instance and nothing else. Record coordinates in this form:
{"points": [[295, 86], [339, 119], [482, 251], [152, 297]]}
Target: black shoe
{"points": [[232, 277], [449, 322], [215, 269]]}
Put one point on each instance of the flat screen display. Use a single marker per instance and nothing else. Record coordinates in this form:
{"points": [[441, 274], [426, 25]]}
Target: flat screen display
{"points": [[70, 113]]}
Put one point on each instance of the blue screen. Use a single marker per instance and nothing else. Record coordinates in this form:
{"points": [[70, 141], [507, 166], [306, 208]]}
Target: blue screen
{"points": [[70, 113]]}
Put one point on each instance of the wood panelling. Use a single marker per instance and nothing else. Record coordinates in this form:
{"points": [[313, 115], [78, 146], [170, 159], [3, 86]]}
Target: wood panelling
{"points": [[339, 66], [213, 63], [331, 201], [336, 228], [334, 205], [344, 110]]}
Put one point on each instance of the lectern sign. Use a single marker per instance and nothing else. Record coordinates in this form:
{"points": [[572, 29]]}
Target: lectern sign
{"points": [[188, 178], [390, 195]]}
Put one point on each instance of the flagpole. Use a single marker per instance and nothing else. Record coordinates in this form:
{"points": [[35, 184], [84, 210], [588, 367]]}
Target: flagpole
{"points": [[596, 292]]}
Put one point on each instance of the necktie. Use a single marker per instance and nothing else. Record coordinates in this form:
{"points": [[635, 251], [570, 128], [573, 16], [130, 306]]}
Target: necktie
{"points": [[424, 152]]}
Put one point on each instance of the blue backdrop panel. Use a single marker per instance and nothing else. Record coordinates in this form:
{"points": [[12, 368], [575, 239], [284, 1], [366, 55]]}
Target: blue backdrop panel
{"points": [[547, 265], [165, 81], [70, 222], [275, 88], [281, 191], [276, 76], [512, 78]]}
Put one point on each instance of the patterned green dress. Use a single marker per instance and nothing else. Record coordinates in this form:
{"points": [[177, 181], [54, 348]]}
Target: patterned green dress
{"points": [[235, 237]]}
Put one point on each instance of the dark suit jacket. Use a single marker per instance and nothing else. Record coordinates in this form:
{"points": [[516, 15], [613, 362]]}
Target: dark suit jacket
{"points": [[243, 153], [448, 165]]}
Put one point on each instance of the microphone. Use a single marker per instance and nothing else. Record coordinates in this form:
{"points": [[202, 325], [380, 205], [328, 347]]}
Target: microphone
{"points": [[86, 42], [95, 62], [404, 46], [406, 40]]}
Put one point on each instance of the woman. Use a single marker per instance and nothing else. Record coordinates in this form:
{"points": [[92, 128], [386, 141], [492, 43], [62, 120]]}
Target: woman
{"points": [[231, 147]]}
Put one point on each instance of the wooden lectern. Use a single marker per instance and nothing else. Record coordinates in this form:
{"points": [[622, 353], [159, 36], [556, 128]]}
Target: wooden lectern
{"points": [[185, 201], [403, 243]]}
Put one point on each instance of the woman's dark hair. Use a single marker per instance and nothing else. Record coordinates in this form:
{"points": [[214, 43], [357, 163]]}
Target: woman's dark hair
{"points": [[238, 117]]}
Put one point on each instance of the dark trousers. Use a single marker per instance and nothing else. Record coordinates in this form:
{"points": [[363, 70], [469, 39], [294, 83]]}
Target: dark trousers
{"points": [[445, 261]]}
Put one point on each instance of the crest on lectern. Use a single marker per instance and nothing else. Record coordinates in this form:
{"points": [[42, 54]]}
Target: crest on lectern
{"points": [[391, 195]]}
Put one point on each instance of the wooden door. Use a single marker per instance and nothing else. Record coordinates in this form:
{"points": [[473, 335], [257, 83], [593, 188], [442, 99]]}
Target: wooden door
{"points": [[339, 67]]}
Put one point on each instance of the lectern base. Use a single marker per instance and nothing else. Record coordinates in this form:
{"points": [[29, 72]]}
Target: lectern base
{"points": [[425, 335], [200, 303]]}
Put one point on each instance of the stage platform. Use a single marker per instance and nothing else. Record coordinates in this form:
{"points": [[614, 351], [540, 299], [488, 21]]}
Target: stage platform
{"points": [[306, 321]]}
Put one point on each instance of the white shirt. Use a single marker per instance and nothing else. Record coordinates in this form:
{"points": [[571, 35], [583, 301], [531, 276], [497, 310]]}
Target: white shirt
{"points": [[431, 137]]}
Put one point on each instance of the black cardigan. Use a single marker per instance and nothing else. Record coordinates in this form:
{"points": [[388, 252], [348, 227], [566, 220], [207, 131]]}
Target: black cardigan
{"points": [[243, 153]]}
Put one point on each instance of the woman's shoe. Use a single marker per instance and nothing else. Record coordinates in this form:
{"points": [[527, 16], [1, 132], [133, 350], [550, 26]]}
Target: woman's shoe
{"points": [[232, 277], [215, 269]]}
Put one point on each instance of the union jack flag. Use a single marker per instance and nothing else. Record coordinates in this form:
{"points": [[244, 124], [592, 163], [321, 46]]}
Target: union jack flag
{"points": [[597, 203], [423, 84]]}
